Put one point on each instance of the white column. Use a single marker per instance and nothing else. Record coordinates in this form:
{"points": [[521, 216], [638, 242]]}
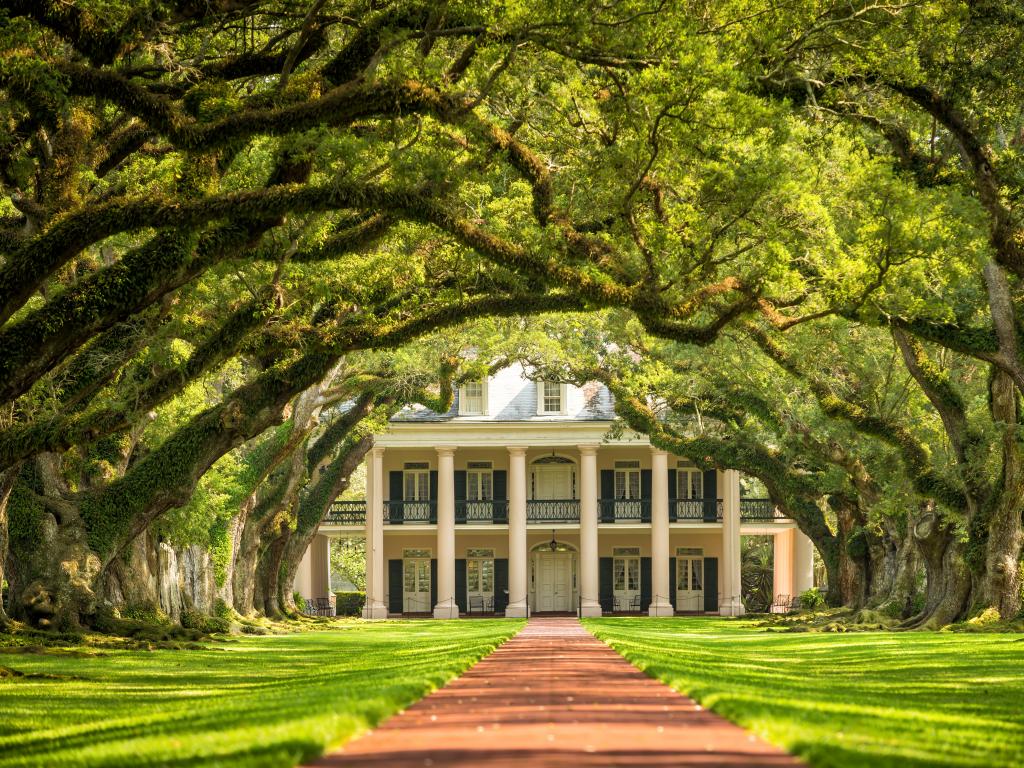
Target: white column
{"points": [[376, 607], [517, 583], [803, 562], [782, 568], [590, 602], [320, 550], [446, 607], [731, 604], [661, 604], [304, 575]]}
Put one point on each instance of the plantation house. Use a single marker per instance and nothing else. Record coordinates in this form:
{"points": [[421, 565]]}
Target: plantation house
{"points": [[520, 500]]}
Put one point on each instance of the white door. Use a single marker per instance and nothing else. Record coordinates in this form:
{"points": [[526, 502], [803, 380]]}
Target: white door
{"points": [[689, 583], [416, 586], [626, 582], [417, 489], [554, 581], [552, 483]]}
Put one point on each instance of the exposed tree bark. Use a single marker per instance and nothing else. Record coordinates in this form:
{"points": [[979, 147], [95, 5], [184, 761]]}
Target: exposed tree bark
{"points": [[949, 585], [7, 479]]}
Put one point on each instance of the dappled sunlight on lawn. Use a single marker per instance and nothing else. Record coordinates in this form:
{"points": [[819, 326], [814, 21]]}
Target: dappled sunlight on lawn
{"points": [[250, 701], [855, 699]]}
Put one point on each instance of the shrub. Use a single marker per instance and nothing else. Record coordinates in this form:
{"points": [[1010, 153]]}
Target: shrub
{"points": [[350, 603], [986, 617], [147, 613], [222, 610], [300, 602], [812, 599], [201, 622]]}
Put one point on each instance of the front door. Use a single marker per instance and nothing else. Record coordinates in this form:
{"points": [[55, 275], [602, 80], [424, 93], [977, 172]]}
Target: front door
{"points": [[626, 582], [554, 581], [416, 586], [689, 583]]}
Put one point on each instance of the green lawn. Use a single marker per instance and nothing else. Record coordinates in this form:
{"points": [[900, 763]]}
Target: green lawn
{"points": [[254, 701], [856, 699]]}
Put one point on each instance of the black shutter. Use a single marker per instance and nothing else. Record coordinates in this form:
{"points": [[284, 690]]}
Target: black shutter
{"points": [[500, 480], [395, 585], [608, 497], [645, 494], [710, 496], [605, 585], [460, 495], [396, 482], [672, 582], [645, 583], [460, 584], [672, 488], [433, 582], [710, 584], [500, 584], [433, 498]]}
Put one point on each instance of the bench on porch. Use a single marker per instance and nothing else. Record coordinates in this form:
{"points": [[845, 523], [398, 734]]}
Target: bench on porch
{"points": [[480, 604], [632, 605], [321, 606], [785, 604]]}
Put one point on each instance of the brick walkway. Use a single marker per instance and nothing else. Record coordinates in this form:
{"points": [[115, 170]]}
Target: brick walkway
{"points": [[554, 696]]}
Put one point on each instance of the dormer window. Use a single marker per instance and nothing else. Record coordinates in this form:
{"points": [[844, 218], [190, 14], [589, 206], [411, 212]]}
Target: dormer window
{"points": [[550, 397], [473, 398]]}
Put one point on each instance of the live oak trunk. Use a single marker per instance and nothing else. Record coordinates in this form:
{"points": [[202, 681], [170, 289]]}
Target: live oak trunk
{"points": [[949, 583]]}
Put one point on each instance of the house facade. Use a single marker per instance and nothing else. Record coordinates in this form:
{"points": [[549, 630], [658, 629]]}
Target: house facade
{"points": [[522, 499]]}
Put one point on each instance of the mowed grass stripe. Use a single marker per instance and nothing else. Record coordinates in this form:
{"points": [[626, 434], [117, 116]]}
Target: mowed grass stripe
{"points": [[252, 701], [858, 699]]}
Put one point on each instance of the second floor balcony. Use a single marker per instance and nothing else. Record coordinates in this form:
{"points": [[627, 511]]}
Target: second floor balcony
{"points": [[495, 511]]}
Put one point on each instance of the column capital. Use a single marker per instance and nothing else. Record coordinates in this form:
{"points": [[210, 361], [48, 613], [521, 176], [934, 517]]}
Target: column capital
{"points": [[658, 451], [445, 450], [517, 450], [377, 450], [588, 449]]}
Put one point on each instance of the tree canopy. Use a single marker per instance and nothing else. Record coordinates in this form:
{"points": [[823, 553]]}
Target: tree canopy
{"points": [[236, 235]]}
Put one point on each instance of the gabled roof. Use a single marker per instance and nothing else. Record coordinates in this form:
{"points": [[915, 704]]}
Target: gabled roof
{"points": [[512, 397]]}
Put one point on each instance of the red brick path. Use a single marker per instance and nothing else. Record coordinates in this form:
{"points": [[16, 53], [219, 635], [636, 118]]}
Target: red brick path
{"points": [[554, 696]]}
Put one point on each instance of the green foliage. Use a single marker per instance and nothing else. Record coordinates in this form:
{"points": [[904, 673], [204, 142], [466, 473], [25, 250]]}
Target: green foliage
{"points": [[300, 602], [350, 603], [348, 560], [208, 625], [812, 599]]}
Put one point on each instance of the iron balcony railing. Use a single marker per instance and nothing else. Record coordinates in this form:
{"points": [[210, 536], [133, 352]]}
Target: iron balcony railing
{"points": [[624, 510], [707, 510], [410, 512], [759, 510], [490, 511], [553, 511], [347, 513]]}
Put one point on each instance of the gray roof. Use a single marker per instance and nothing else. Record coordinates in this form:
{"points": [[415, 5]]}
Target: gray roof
{"points": [[511, 396]]}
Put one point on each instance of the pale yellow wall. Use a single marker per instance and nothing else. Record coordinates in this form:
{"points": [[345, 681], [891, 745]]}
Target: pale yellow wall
{"points": [[607, 455], [395, 542]]}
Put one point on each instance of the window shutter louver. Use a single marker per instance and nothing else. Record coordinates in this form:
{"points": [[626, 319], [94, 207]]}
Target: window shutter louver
{"points": [[606, 588], [710, 496], [710, 584], [395, 585], [460, 584]]}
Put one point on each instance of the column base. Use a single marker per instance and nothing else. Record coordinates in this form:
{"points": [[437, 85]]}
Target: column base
{"points": [[661, 609], [516, 611], [731, 607], [590, 610], [446, 611], [375, 611]]}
